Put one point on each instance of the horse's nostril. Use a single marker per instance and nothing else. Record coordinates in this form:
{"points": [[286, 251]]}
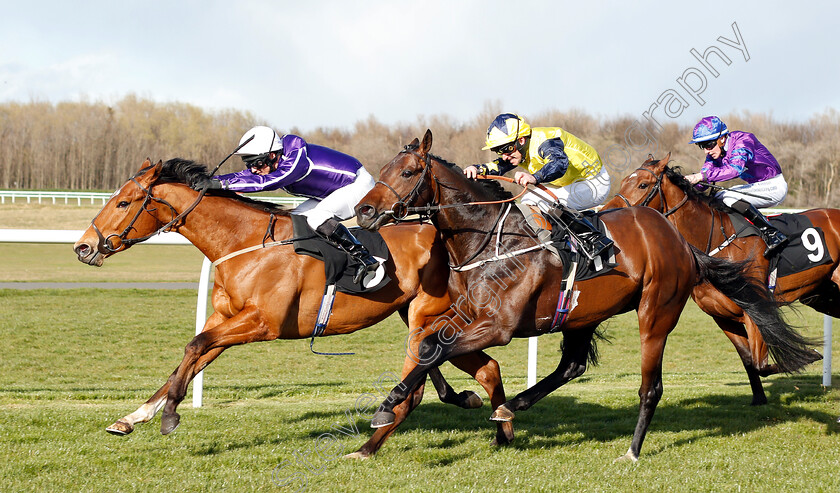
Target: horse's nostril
{"points": [[365, 210]]}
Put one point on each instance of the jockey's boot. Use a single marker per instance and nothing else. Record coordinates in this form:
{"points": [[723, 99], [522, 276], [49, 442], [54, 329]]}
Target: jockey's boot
{"points": [[774, 238], [339, 235], [591, 242]]}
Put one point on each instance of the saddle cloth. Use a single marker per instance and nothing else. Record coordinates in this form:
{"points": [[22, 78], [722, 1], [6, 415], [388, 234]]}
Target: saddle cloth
{"points": [[806, 243], [339, 266]]}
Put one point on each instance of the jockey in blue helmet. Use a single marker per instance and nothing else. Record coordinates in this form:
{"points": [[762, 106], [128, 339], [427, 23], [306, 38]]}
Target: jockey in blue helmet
{"points": [[738, 154]]}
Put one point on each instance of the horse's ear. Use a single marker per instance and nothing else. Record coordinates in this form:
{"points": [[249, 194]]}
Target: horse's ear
{"points": [[414, 143], [649, 159], [427, 142], [664, 161], [146, 164]]}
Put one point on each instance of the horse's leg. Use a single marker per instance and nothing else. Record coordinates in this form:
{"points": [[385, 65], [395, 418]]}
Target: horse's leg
{"points": [[246, 326], [433, 350], [737, 334], [485, 370], [150, 408], [466, 399], [654, 326], [401, 411], [577, 345]]}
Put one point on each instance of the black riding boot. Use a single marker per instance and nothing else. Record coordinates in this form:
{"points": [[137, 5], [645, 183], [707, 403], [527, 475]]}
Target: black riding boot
{"points": [[591, 241], [340, 236], [774, 238]]}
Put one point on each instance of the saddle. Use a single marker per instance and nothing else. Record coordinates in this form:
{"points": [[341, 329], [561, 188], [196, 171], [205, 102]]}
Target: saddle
{"points": [[339, 266], [547, 229], [804, 250]]}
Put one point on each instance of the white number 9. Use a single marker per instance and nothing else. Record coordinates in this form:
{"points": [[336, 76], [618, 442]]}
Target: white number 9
{"points": [[811, 242]]}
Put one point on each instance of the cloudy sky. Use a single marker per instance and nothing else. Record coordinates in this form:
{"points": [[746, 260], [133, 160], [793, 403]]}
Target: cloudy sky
{"points": [[313, 63]]}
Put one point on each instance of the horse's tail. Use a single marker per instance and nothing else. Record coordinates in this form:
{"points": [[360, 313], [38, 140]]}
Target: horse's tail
{"points": [[789, 349]]}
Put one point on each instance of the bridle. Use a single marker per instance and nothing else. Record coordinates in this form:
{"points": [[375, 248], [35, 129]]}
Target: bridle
{"points": [[106, 244], [400, 209], [657, 189]]}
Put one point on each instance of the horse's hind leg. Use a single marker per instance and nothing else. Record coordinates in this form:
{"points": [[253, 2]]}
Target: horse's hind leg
{"points": [[576, 350], [246, 326], [737, 334]]}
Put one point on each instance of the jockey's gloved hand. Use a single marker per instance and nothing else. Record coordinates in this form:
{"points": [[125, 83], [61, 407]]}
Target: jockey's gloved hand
{"points": [[206, 183]]}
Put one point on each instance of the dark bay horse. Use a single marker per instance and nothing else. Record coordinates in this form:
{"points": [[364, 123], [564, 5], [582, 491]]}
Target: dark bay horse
{"points": [[270, 293], [515, 292], [704, 222]]}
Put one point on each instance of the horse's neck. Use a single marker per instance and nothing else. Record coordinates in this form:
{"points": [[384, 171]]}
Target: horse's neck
{"points": [[219, 226], [466, 232], [697, 221]]}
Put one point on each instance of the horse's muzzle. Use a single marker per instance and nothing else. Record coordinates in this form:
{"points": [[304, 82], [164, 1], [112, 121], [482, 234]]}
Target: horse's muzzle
{"points": [[368, 217], [88, 254]]}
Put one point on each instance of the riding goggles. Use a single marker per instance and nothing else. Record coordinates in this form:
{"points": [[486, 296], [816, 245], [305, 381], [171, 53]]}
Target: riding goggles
{"points": [[707, 145], [505, 149], [258, 161]]}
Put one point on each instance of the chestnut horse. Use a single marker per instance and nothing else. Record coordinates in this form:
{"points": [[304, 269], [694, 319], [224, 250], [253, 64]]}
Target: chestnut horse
{"points": [[269, 293], [514, 291], [704, 222]]}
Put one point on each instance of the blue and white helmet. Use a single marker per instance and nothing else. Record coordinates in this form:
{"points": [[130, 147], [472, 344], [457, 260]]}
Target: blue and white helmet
{"points": [[709, 128]]}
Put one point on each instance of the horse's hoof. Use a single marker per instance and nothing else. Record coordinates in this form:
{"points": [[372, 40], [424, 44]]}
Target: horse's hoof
{"points": [[120, 428], [169, 422], [470, 400], [357, 455], [502, 414], [382, 419], [628, 457], [759, 401]]}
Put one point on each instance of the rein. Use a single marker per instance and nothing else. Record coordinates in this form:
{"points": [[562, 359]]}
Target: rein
{"points": [[399, 210]]}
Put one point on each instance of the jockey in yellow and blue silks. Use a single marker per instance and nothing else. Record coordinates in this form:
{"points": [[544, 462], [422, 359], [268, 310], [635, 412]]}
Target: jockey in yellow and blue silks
{"points": [[563, 163]]}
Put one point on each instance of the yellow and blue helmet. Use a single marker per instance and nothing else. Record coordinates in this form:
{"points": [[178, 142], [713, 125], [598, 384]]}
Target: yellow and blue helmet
{"points": [[505, 128]]}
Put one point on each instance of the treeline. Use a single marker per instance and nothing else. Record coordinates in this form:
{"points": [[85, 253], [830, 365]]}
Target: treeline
{"points": [[95, 146]]}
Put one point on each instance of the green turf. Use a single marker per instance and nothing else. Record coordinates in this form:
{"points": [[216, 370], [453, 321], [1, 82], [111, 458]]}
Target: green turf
{"points": [[74, 361]]}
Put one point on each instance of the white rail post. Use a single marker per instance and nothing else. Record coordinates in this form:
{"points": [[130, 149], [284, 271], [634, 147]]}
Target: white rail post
{"points": [[532, 361], [827, 351], [200, 319]]}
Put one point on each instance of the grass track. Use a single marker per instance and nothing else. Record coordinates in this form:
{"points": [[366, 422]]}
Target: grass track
{"points": [[74, 361], [266, 405]]}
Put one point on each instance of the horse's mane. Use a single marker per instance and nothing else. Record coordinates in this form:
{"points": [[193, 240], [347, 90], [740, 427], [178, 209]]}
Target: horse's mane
{"points": [[676, 177], [492, 187], [179, 170]]}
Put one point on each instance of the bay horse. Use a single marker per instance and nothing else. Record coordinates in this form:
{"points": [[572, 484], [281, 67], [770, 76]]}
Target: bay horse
{"points": [[272, 293], [704, 223], [515, 290]]}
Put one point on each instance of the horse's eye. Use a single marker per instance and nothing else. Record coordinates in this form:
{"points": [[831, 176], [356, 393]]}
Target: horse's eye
{"points": [[407, 174], [643, 185], [122, 204]]}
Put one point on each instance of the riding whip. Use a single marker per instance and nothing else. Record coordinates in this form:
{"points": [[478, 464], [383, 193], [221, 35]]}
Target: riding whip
{"points": [[240, 146]]}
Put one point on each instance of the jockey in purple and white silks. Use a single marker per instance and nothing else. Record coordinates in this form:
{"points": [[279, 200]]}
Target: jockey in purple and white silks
{"points": [[738, 154], [334, 183]]}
